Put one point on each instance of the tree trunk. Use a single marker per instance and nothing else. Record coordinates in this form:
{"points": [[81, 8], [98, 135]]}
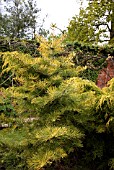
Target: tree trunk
{"points": [[112, 25]]}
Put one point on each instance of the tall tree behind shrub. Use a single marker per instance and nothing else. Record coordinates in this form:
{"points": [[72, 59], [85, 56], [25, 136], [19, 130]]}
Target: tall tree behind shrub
{"points": [[94, 24]]}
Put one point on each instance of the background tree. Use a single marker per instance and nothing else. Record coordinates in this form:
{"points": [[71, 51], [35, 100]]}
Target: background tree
{"points": [[20, 18], [80, 30], [94, 24], [32, 17]]}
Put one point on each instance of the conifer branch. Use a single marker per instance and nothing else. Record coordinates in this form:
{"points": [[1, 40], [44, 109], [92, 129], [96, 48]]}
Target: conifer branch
{"points": [[6, 80]]}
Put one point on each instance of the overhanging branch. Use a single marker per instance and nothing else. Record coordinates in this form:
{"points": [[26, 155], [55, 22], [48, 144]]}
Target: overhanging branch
{"points": [[103, 23]]}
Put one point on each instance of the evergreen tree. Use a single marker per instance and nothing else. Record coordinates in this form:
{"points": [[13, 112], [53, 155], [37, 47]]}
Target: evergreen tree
{"points": [[20, 19], [40, 100], [54, 112]]}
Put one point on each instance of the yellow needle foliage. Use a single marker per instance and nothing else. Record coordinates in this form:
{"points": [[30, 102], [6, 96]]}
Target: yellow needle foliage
{"points": [[54, 107]]}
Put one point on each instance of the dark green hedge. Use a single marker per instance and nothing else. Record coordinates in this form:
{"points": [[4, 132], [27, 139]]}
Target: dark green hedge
{"points": [[25, 46]]}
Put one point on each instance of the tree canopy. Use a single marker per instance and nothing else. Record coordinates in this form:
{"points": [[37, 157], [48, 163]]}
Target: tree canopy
{"points": [[94, 24], [20, 19]]}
